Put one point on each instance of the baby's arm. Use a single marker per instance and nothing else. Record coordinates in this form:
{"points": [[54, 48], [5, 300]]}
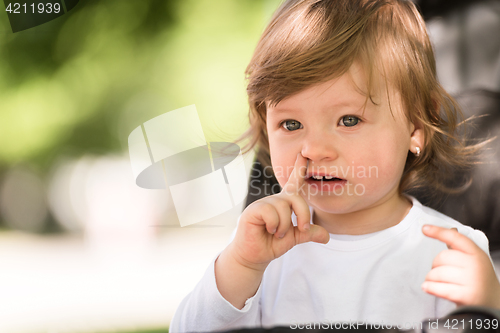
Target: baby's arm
{"points": [[265, 232], [463, 274], [235, 281]]}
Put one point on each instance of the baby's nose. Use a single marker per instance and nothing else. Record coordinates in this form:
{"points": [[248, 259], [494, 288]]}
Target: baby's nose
{"points": [[319, 147]]}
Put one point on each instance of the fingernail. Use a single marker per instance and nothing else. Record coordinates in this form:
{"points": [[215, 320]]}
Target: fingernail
{"points": [[281, 235], [274, 231], [307, 227], [426, 228], [424, 286]]}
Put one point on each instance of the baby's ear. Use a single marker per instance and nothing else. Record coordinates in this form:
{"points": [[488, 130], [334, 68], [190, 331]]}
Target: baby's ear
{"points": [[417, 138], [422, 134]]}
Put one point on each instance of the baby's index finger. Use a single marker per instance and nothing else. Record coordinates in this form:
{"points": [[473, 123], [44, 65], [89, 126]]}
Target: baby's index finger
{"points": [[451, 237], [298, 175], [448, 246]]}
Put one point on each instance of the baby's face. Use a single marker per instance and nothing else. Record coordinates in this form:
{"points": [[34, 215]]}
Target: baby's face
{"points": [[363, 149]]}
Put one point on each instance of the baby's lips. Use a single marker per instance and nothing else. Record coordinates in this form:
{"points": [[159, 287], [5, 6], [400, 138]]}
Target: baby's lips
{"points": [[310, 176]]}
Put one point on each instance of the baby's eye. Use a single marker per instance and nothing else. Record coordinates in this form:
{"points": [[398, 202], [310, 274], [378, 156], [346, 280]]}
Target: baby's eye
{"points": [[349, 121], [291, 125]]}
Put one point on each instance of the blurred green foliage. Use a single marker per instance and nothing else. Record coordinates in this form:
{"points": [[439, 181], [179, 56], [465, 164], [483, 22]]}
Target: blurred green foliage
{"points": [[81, 83]]}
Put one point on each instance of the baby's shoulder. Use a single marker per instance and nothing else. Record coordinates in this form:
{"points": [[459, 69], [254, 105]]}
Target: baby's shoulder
{"points": [[433, 217]]}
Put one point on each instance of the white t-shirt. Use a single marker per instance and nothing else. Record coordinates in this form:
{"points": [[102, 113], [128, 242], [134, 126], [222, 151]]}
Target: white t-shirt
{"points": [[374, 278]]}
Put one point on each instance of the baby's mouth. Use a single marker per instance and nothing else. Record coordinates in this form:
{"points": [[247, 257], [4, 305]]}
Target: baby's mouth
{"points": [[314, 178], [326, 184]]}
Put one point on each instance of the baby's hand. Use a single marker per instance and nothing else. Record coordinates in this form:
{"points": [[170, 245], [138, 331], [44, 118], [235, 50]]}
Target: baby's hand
{"points": [[463, 274], [265, 230]]}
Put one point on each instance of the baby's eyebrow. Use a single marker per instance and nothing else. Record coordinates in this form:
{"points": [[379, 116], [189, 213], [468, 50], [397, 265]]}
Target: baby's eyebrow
{"points": [[334, 107], [281, 110], [276, 112]]}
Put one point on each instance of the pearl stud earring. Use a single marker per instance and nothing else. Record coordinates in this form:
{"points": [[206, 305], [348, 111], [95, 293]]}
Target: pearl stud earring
{"points": [[418, 151]]}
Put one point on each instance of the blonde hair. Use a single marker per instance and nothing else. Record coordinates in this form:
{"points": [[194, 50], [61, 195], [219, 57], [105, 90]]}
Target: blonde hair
{"points": [[312, 41]]}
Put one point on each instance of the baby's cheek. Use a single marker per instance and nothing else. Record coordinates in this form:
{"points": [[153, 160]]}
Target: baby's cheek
{"points": [[389, 175], [281, 173], [282, 180], [363, 169], [375, 174]]}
